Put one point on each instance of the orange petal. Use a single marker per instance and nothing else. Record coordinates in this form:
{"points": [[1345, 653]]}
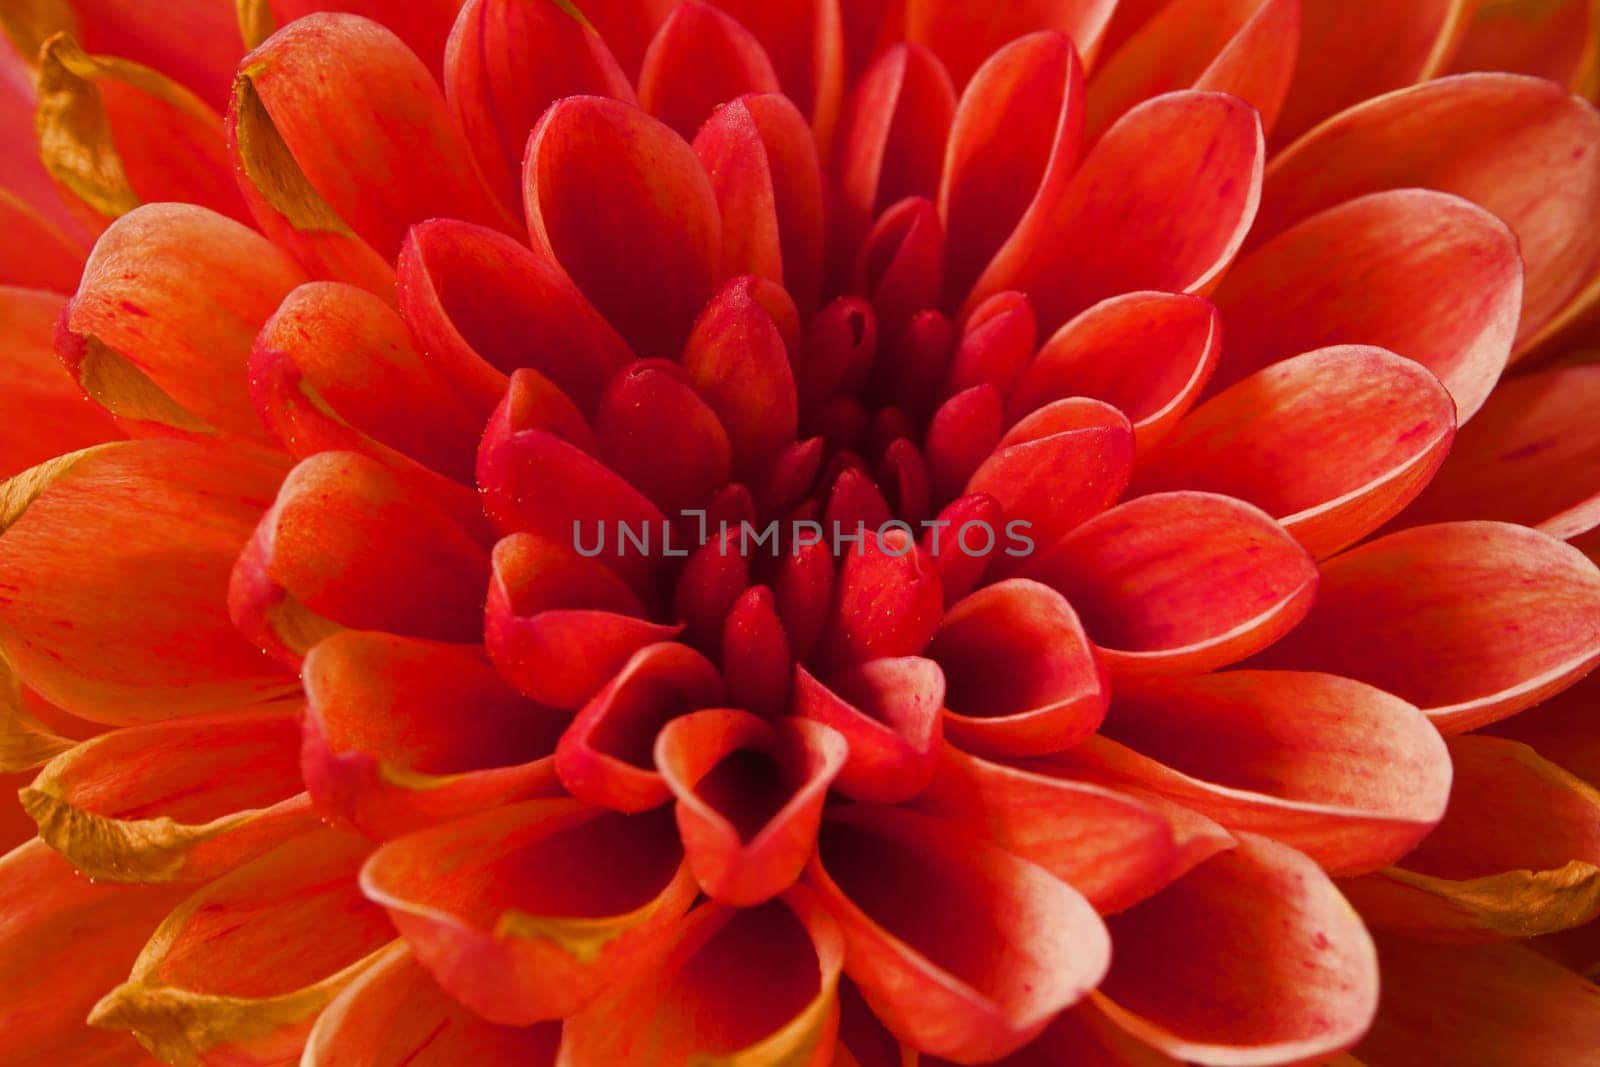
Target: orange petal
{"points": [[46, 415], [964, 34], [1191, 159], [220, 979], [36, 250], [964, 951], [699, 59], [1550, 40], [1331, 443], [378, 755], [423, 24], [1521, 148], [182, 801], [1424, 274], [1470, 621], [650, 260], [1276, 968], [1562, 729], [1346, 773], [1147, 354], [750, 797], [888, 711], [395, 1013], [1181, 582], [1243, 47], [129, 545], [1517, 855], [1112, 848], [732, 986], [163, 322], [195, 42], [1532, 457], [64, 942], [528, 912]]}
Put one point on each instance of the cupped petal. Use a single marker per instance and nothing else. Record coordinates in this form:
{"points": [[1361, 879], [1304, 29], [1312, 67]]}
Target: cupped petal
{"points": [[1346, 773], [46, 415], [505, 63], [130, 544], [182, 801], [749, 797], [726, 985], [1517, 854], [964, 35], [1016, 135], [888, 712], [1111, 847], [348, 544], [395, 1013], [1021, 676], [699, 59], [622, 204], [1244, 47], [963, 950], [1470, 621], [1180, 582], [1519, 147], [1331, 443], [1277, 968], [606, 757], [64, 941], [528, 912], [220, 980], [1532, 457], [559, 626], [1424, 274], [1147, 354], [379, 756], [163, 322], [1192, 160]]}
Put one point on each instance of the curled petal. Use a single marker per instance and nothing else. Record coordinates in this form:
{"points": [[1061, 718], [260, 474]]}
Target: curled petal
{"points": [[134, 535], [1191, 159], [182, 801], [1424, 274], [650, 259], [161, 328], [698, 59], [378, 755], [888, 712], [46, 414], [219, 979], [1022, 677], [1181, 582], [1517, 855], [964, 951], [1146, 354], [1470, 621], [1277, 967], [750, 796], [726, 985], [527, 912], [1286, 440]]}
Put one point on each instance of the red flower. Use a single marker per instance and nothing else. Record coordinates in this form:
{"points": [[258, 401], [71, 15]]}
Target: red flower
{"points": [[801, 533]]}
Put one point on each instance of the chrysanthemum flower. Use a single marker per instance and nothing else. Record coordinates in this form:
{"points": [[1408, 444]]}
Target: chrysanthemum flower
{"points": [[821, 532]]}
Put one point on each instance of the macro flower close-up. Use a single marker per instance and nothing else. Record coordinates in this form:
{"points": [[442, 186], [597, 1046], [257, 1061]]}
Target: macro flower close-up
{"points": [[799, 533]]}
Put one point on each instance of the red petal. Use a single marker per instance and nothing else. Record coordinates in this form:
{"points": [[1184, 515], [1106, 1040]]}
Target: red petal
{"points": [[1550, 40], [46, 415], [964, 35], [756, 662], [750, 796], [1181, 582], [901, 265], [1276, 968], [133, 538], [422, 24], [1424, 274], [888, 599], [606, 756], [378, 754], [649, 259], [1471, 621], [656, 432], [527, 912], [700, 58], [963, 434], [727, 985], [1022, 676], [963, 950], [36, 250], [1521, 148], [888, 712], [506, 62], [627, 26], [1162, 202], [806, 44], [999, 339], [193, 41], [161, 328], [1147, 354], [1332, 443], [1561, 729]]}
